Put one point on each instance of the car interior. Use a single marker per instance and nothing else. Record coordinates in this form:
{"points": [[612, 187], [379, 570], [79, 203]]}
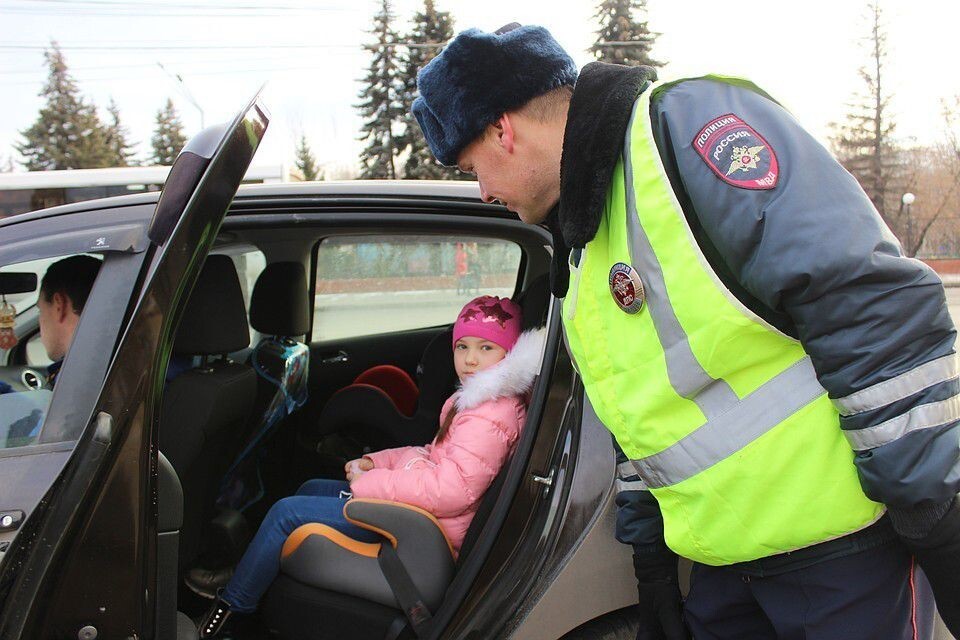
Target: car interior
{"points": [[299, 349], [363, 392]]}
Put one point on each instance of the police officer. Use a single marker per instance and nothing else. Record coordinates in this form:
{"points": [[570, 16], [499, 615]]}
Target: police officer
{"points": [[782, 379]]}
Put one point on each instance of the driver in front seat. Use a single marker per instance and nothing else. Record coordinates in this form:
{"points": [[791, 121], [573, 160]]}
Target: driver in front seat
{"points": [[63, 294], [479, 428]]}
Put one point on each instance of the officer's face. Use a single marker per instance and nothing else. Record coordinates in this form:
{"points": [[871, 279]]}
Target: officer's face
{"points": [[515, 168]]}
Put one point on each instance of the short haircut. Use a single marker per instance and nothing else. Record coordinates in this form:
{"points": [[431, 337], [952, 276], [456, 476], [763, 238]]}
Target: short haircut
{"points": [[549, 105], [72, 277]]}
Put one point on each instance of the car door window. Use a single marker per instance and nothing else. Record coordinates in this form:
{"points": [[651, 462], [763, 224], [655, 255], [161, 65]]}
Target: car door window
{"points": [[368, 285], [25, 392]]}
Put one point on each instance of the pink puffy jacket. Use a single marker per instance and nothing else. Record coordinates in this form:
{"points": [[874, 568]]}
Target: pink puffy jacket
{"points": [[448, 479]]}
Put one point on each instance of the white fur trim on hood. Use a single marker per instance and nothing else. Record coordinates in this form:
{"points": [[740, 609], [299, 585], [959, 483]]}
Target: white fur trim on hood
{"points": [[512, 376]]}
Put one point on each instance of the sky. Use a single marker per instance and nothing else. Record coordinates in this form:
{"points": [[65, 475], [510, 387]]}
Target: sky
{"points": [[308, 54]]}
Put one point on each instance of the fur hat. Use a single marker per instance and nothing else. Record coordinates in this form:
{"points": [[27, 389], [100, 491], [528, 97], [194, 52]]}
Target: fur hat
{"points": [[495, 319], [480, 76]]}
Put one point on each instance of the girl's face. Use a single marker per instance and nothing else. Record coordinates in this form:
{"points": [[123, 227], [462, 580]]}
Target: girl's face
{"points": [[475, 354]]}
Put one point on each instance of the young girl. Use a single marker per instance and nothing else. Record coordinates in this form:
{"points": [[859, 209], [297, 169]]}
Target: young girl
{"points": [[479, 427]]}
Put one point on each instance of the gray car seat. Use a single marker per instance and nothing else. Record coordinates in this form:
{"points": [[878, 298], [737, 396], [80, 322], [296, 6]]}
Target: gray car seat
{"points": [[208, 404]]}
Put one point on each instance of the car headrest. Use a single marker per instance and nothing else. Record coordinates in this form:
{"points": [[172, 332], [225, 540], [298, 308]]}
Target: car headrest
{"points": [[436, 375], [280, 305], [215, 319], [535, 301]]}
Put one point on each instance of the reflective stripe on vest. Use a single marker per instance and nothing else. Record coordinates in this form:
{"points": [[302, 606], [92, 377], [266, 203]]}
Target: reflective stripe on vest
{"points": [[722, 415]]}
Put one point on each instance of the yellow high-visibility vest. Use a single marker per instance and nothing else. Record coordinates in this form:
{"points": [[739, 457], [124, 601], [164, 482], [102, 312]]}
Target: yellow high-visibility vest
{"points": [[721, 414]]}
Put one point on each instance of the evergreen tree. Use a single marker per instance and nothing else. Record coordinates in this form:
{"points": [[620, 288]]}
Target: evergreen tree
{"points": [[864, 143], [168, 137], [68, 133], [430, 28], [617, 25], [380, 107], [306, 162], [117, 138]]}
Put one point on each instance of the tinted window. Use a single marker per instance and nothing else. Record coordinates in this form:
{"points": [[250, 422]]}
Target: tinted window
{"points": [[379, 284]]}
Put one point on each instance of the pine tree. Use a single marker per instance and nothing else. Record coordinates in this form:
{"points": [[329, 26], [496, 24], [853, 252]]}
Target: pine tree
{"points": [[306, 162], [430, 28], [864, 143], [168, 137], [117, 138], [380, 107], [617, 25], [68, 133]]}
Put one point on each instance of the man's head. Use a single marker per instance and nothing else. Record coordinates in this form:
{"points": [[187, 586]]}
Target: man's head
{"points": [[495, 104], [63, 293]]}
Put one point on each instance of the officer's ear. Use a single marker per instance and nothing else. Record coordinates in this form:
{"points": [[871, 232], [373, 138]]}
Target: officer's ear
{"points": [[503, 130], [62, 306]]}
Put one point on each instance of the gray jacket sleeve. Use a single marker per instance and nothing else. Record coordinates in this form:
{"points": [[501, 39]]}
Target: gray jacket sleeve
{"points": [[813, 257]]}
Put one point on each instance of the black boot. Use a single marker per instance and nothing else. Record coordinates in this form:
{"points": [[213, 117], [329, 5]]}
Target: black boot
{"points": [[215, 619], [206, 583]]}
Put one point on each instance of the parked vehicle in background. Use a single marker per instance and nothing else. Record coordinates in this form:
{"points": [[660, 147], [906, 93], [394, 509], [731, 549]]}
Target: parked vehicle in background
{"points": [[25, 191]]}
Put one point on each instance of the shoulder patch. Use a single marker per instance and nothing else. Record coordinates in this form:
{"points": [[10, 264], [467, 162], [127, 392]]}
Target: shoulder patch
{"points": [[737, 153]]}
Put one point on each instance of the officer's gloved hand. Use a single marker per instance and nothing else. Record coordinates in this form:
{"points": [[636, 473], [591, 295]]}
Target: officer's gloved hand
{"points": [[938, 553], [660, 605]]}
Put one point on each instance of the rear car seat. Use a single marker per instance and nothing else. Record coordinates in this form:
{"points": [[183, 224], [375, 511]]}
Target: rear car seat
{"points": [[376, 408], [331, 586]]}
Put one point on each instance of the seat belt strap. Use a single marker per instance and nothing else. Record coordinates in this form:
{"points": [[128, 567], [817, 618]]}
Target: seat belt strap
{"points": [[406, 593], [396, 628]]}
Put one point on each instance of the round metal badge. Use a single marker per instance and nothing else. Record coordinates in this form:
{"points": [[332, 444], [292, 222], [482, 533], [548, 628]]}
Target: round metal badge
{"points": [[626, 288]]}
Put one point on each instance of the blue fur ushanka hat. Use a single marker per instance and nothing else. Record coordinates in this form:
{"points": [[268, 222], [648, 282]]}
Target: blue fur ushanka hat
{"points": [[479, 76]]}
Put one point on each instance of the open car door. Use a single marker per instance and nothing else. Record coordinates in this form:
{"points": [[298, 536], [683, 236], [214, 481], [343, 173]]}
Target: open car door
{"points": [[84, 563]]}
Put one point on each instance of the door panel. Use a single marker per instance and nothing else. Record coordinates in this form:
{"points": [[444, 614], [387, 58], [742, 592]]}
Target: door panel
{"points": [[97, 566], [329, 372]]}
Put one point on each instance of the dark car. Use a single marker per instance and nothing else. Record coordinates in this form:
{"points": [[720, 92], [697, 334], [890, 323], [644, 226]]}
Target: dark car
{"points": [[170, 430]]}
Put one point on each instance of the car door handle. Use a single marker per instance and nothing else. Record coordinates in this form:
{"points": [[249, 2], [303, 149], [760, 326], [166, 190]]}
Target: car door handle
{"points": [[340, 357]]}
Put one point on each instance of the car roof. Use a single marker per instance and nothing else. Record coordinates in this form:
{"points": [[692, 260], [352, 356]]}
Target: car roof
{"points": [[441, 189]]}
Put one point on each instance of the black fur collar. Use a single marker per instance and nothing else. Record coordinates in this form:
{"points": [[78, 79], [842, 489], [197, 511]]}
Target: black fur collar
{"points": [[593, 140]]}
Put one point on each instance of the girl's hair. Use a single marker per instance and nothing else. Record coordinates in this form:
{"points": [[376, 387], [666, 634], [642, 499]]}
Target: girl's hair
{"points": [[445, 425]]}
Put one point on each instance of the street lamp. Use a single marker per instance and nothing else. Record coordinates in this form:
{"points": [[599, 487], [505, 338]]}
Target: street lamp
{"points": [[905, 203]]}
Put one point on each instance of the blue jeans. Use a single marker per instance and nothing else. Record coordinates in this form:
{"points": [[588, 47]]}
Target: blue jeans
{"points": [[316, 501]]}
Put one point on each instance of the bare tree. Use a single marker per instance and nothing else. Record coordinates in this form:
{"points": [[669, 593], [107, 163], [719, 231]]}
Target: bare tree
{"points": [[864, 143], [931, 219]]}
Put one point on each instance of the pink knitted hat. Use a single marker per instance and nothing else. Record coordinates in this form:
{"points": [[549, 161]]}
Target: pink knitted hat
{"points": [[491, 318]]}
